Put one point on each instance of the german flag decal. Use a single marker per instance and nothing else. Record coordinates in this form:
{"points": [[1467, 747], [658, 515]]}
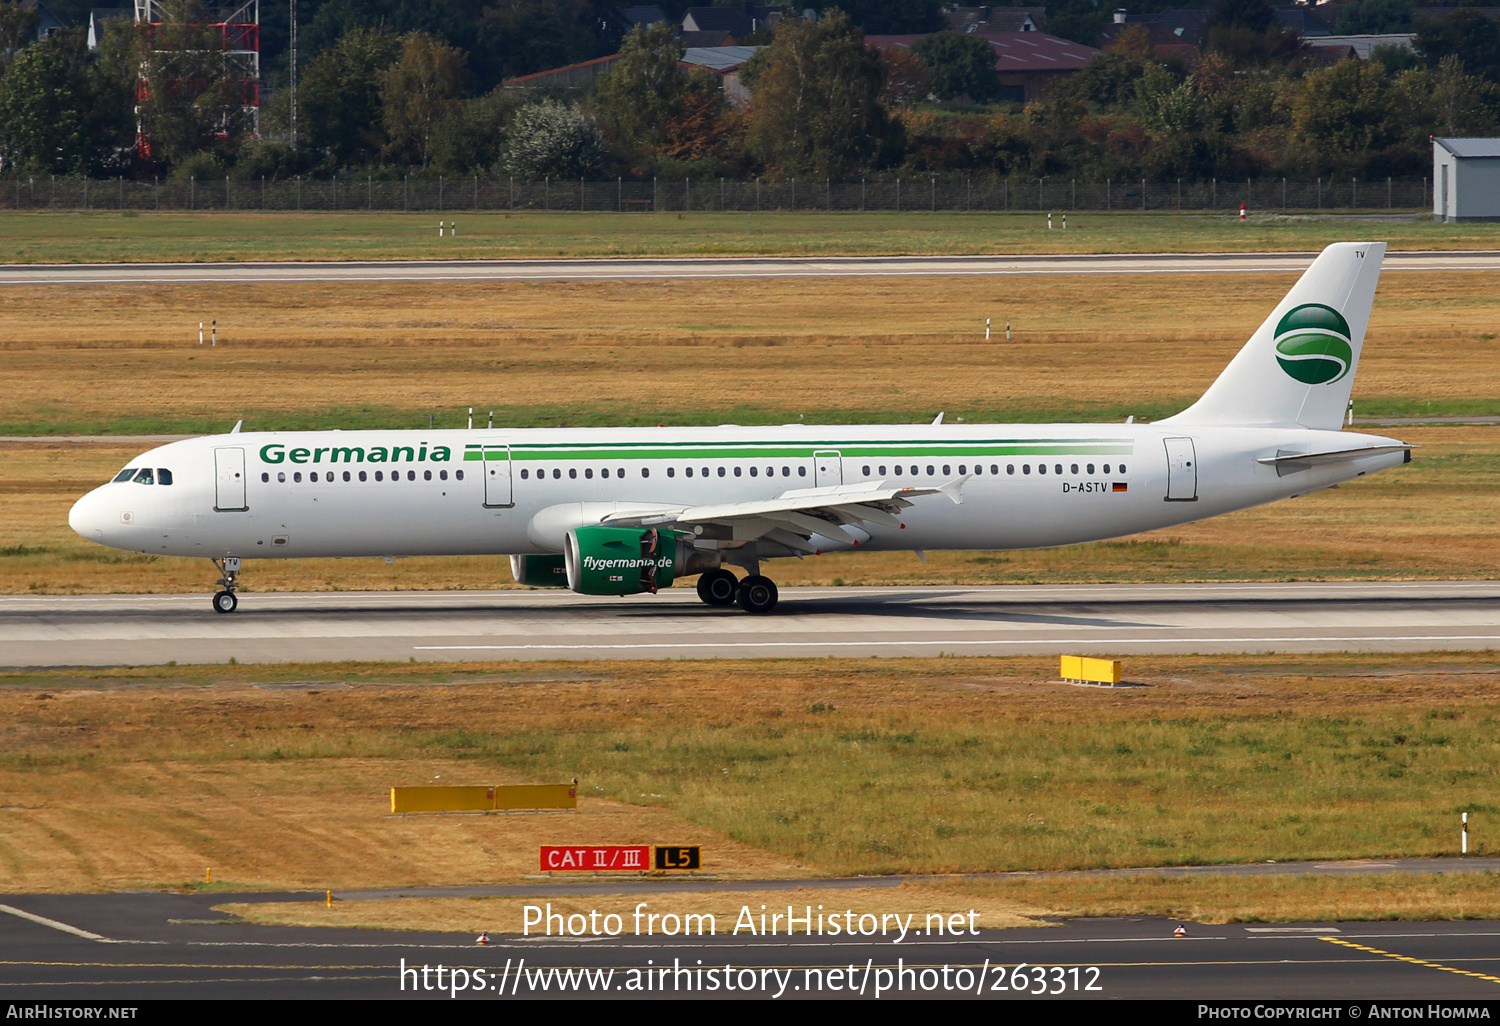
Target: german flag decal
{"points": [[1119, 486]]}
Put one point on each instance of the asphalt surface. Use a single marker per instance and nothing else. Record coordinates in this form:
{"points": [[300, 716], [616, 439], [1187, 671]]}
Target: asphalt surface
{"points": [[693, 268], [144, 630], [145, 946]]}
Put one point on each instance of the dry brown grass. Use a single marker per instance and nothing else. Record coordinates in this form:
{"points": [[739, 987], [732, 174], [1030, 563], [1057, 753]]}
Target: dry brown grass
{"points": [[110, 354], [1255, 899], [507, 915], [782, 769]]}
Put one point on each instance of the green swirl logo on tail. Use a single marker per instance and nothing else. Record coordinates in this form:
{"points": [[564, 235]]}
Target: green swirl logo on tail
{"points": [[1313, 344]]}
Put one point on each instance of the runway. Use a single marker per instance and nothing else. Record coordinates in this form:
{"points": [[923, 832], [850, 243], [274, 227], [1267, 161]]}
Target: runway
{"points": [[692, 268], [144, 630], [143, 946]]}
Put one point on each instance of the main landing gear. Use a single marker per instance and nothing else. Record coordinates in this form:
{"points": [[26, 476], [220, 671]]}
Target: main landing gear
{"points": [[229, 576], [755, 594]]}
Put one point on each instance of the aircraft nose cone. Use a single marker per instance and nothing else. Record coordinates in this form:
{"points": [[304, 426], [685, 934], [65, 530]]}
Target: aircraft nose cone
{"points": [[84, 517]]}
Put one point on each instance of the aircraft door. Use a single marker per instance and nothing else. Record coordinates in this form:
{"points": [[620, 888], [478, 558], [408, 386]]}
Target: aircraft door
{"points": [[1182, 470], [828, 468], [229, 469], [497, 488]]}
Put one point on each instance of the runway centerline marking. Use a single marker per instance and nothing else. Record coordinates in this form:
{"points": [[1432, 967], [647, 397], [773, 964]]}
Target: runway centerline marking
{"points": [[1409, 958]]}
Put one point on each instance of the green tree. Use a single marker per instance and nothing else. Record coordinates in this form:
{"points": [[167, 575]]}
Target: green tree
{"points": [[643, 90], [1343, 116], [417, 93], [550, 140], [41, 115], [17, 26], [890, 17], [815, 99], [341, 112], [960, 65], [1472, 38], [1372, 17]]}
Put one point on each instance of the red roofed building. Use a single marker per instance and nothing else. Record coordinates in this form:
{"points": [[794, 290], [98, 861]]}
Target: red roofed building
{"points": [[1027, 63]]}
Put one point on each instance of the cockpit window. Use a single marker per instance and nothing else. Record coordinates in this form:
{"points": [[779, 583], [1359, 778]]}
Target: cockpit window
{"points": [[126, 474], [163, 476], [144, 476]]}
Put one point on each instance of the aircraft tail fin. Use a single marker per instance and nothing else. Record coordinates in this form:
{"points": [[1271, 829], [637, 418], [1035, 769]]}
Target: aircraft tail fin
{"points": [[1298, 367]]}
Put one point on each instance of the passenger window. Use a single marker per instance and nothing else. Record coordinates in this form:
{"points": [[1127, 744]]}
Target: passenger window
{"points": [[126, 474], [459, 474], [313, 476], [705, 471], [411, 475], [443, 475], [379, 476], [1090, 468], [1106, 468], [737, 471], [961, 469], [163, 476], [1057, 467], [604, 472], [1010, 468], [671, 471], [346, 475], [556, 473], [754, 471], [1074, 469], [1122, 467], [866, 471], [946, 470], [801, 471], [281, 477], [770, 471], [145, 476], [914, 471], [573, 472], [721, 471], [688, 471], [1026, 468], [898, 470], [362, 475], [297, 477], [588, 473], [882, 471], [426, 475], [786, 471], [1041, 468], [645, 471], [524, 473], [620, 473], [265, 477], [995, 469]]}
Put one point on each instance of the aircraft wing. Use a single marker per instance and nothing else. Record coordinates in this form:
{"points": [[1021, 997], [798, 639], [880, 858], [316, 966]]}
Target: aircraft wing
{"points": [[794, 517]]}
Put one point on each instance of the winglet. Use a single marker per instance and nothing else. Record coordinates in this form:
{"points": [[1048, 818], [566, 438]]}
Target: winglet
{"points": [[937, 420], [954, 489], [236, 429]]}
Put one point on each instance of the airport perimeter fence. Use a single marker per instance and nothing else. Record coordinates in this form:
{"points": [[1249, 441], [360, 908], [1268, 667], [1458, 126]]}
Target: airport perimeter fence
{"points": [[476, 193]]}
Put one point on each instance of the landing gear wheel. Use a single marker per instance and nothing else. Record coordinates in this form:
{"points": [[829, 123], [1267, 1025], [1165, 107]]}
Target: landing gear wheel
{"points": [[717, 587], [225, 602], [757, 594]]}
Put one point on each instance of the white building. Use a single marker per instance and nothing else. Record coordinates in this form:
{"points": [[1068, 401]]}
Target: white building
{"points": [[1466, 179]]}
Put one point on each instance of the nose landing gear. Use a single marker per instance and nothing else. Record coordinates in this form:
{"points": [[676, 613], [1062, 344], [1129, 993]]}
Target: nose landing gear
{"points": [[229, 576]]}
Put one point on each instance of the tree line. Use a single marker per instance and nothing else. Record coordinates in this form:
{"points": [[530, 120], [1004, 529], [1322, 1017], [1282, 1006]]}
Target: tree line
{"points": [[378, 100]]}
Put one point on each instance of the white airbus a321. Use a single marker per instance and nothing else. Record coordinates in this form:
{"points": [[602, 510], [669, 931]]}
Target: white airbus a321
{"points": [[620, 511]]}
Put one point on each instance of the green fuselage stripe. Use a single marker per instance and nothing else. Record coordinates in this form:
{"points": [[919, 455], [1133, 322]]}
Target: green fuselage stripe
{"points": [[868, 450]]}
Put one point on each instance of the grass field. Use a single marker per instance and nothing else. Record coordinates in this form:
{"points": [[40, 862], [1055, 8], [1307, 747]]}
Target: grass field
{"points": [[125, 778], [44, 237], [117, 359]]}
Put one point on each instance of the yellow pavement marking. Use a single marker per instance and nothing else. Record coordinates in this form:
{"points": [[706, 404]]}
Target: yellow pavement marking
{"points": [[1408, 958]]}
